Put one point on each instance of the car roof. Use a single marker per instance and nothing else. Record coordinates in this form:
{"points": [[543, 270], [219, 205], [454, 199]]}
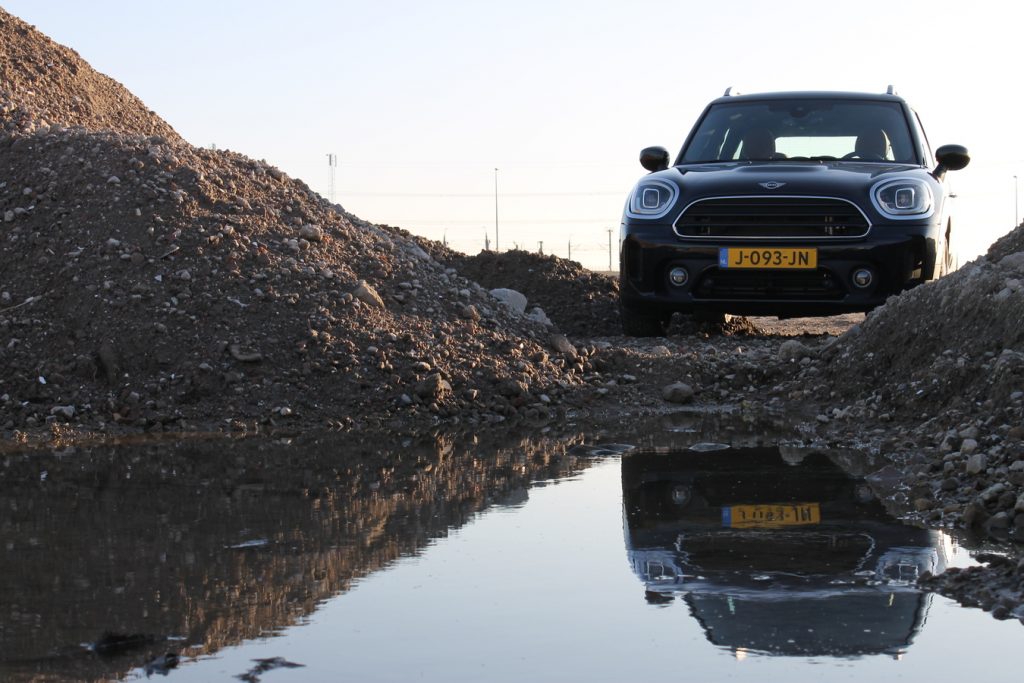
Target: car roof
{"points": [[810, 94]]}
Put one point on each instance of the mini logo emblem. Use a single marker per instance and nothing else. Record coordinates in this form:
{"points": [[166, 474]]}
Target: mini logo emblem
{"points": [[771, 185]]}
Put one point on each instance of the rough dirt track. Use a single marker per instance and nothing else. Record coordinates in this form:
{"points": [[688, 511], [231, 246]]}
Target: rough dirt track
{"points": [[149, 285]]}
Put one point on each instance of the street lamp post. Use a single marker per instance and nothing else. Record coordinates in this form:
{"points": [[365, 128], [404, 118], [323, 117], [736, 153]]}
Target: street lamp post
{"points": [[609, 250], [497, 241]]}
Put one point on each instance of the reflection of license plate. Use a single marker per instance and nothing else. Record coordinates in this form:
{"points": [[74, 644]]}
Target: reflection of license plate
{"points": [[770, 516], [767, 257]]}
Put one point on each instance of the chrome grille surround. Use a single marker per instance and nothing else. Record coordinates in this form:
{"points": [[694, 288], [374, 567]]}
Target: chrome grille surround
{"points": [[773, 217]]}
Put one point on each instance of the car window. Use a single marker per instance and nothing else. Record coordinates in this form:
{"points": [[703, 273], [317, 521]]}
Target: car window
{"points": [[812, 129]]}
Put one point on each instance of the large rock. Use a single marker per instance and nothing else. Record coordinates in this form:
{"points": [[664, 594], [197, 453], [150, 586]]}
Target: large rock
{"points": [[792, 350], [312, 233], [561, 343], [977, 463], [679, 392], [433, 388], [511, 298], [367, 294], [512, 388], [539, 316]]}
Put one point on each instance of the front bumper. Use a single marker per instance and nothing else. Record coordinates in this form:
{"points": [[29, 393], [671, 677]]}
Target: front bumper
{"points": [[899, 257]]}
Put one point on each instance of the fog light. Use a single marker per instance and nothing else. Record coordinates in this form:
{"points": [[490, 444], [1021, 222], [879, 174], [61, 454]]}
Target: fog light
{"points": [[681, 494], [863, 277], [678, 276]]}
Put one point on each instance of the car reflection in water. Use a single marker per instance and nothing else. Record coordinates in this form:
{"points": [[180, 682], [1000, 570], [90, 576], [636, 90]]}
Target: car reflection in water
{"points": [[777, 552]]}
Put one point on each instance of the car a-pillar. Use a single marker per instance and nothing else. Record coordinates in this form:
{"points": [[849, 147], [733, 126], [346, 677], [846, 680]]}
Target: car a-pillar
{"points": [[949, 158]]}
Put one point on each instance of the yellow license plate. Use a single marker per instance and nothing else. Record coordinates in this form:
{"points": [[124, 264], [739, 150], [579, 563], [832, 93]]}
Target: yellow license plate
{"points": [[767, 257], [770, 516]]}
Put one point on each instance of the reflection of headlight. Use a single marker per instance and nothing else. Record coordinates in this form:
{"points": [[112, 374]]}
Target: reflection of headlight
{"points": [[655, 566], [651, 199], [903, 198], [903, 566]]}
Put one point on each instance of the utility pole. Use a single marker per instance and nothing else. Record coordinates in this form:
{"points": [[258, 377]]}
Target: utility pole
{"points": [[487, 241], [497, 240], [570, 250], [609, 250], [1016, 203], [332, 163]]}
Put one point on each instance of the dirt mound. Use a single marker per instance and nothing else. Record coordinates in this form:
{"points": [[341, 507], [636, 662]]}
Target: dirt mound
{"points": [[580, 302], [43, 83], [946, 361], [997, 587], [1010, 243], [954, 342], [153, 282], [148, 282]]}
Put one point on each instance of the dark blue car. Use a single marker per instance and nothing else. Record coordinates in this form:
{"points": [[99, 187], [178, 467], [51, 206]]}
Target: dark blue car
{"points": [[787, 204], [776, 551]]}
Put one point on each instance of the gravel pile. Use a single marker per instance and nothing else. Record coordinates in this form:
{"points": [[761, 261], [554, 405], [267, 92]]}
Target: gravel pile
{"points": [[43, 83], [583, 303], [935, 381], [148, 283], [947, 360]]}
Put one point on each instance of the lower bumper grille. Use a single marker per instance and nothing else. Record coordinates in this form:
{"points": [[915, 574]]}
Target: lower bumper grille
{"points": [[769, 285]]}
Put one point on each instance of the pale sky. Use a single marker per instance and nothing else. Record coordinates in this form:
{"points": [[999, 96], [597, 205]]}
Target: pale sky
{"points": [[422, 101]]}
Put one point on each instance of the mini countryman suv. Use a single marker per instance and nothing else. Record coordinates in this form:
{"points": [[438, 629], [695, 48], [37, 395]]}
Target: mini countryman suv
{"points": [[787, 204]]}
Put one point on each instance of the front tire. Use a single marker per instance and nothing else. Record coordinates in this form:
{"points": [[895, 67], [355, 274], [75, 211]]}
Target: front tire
{"points": [[642, 324]]}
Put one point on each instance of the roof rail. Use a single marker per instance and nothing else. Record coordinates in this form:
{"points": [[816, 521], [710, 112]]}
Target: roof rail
{"points": [[729, 92], [891, 90]]}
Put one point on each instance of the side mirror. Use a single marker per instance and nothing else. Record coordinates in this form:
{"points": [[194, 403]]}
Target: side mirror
{"points": [[950, 158], [654, 158]]}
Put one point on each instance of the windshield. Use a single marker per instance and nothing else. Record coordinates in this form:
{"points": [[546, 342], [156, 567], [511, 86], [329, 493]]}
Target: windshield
{"points": [[802, 130]]}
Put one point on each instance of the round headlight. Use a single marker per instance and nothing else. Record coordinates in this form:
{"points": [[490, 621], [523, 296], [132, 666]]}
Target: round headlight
{"points": [[903, 198], [651, 199]]}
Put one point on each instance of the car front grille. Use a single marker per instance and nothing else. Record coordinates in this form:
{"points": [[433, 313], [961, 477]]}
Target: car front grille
{"points": [[773, 218], [780, 551], [763, 285]]}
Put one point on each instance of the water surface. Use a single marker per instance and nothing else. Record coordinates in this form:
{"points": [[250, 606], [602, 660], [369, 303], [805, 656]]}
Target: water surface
{"points": [[677, 556]]}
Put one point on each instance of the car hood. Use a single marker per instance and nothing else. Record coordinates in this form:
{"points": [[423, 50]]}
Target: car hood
{"points": [[782, 178], [846, 625]]}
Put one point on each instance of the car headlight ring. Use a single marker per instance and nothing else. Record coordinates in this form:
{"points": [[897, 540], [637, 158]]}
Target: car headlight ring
{"points": [[651, 199], [903, 198]]}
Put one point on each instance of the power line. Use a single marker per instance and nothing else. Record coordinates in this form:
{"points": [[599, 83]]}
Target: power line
{"points": [[531, 221], [618, 163], [482, 194]]}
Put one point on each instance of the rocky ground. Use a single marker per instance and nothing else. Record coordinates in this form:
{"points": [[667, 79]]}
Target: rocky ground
{"points": [[147, 285]]}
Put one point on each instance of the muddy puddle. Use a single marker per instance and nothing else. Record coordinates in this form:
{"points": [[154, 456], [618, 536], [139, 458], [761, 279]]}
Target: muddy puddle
{"points": [[698, 547]]}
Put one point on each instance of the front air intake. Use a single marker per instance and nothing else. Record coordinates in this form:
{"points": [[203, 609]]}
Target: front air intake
{"points": [[772, 218]]}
